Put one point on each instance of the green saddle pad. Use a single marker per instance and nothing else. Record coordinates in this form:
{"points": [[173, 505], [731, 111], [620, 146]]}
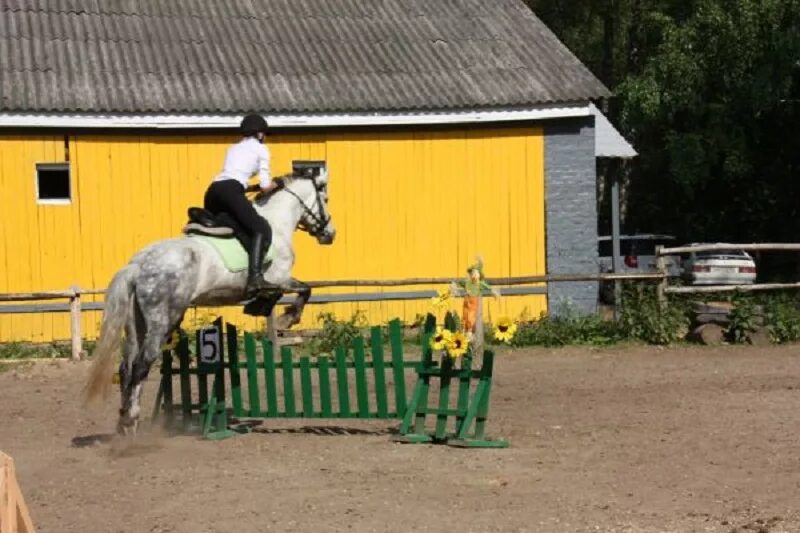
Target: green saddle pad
{"points": [[233, 254]]}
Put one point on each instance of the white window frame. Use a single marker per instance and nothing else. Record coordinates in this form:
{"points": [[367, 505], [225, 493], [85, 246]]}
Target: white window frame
{"points": [[63, 165]]}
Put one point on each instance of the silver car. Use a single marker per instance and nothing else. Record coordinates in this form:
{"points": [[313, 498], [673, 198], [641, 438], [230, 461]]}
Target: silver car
{"points": [[720, 267], [637, 255]]}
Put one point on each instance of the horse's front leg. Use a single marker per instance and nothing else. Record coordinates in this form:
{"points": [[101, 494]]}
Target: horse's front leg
{"points": [[293, 312]]}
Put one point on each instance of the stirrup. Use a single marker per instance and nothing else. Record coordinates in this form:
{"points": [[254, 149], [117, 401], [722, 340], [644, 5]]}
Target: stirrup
{"points": [[257, 285], [262, 305]]}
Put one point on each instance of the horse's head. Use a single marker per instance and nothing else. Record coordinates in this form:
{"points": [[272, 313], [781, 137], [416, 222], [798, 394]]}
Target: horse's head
{"points": [[312, 193]]}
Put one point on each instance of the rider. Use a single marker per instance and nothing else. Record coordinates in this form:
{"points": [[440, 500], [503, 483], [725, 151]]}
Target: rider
{"points": [[226, 194]]}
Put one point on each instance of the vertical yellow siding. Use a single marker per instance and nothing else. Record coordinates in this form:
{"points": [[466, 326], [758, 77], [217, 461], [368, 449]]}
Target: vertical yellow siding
{"points": [[405, 204], [35, 240]]}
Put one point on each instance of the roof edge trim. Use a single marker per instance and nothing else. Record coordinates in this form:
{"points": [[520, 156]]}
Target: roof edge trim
{"points": [[209, 121]]}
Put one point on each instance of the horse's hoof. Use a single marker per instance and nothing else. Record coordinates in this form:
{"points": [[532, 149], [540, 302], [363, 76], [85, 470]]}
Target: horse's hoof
{"points": [[286, 321], [127, 427]]}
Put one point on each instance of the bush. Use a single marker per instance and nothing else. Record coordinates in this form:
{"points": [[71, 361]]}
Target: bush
{"points": [[779, 312], [645, 319], [783, 319], [19, 350], [336, 332], [744, 319], [565, 329]]}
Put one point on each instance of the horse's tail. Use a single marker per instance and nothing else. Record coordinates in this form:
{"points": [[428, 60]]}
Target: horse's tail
{"points": [[118, 310]]}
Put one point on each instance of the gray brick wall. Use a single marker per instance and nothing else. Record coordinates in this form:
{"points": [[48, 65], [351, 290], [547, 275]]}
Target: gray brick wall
{"points": [[571, 206]]}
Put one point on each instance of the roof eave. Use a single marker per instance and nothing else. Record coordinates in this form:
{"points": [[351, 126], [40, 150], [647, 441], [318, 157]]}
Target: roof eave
{"points": [[298, 120]]}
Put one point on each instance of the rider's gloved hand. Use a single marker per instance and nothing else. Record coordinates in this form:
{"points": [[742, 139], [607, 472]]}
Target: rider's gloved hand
{"points": [[270, 187]]}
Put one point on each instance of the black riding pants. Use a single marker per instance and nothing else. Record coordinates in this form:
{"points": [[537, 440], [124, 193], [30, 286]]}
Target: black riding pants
{"points": [[227, 196]]}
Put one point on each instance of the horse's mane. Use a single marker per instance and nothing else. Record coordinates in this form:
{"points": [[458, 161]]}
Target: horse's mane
{"points": [[284, 180]]}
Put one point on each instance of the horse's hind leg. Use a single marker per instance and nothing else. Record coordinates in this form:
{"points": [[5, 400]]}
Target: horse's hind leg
{"points": [[156, 333], [131, 351]]}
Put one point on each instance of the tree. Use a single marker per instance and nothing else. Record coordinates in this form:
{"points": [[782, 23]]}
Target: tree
{"points": [[708, 91], [710, 114]]}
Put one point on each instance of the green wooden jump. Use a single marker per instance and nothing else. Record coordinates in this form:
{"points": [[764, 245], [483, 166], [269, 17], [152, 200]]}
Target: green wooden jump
{"points": [[358, 382]]}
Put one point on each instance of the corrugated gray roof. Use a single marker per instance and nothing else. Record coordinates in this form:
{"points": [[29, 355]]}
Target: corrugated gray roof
{"points": [[200, 56]]}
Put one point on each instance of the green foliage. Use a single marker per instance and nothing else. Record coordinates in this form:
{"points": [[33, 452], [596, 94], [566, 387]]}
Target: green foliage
{"points": [[708, 91], [778, 311], [336, 332], [642, 319], [783, 319], [17, 350], [706, 112], [744, 320], [645, 319], [571, 329]]}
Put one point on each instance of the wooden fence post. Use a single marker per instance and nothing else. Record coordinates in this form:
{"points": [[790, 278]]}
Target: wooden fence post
{"points": [[14, 515], [75, 323], [478, 339], [661, 266]]}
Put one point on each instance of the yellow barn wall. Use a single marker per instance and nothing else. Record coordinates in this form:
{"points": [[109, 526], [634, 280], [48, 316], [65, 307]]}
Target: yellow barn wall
{"points": [[405, 204]]}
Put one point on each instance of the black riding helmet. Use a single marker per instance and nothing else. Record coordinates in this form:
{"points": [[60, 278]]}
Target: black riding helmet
{"points": [[252, 125]]}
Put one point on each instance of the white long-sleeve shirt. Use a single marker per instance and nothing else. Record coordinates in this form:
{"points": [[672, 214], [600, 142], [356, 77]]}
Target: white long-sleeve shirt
{"points": [[243, 160]]}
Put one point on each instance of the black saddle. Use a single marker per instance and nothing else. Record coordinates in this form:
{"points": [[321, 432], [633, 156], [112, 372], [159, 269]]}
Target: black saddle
{"points": [[203, 222], [221, 225]]}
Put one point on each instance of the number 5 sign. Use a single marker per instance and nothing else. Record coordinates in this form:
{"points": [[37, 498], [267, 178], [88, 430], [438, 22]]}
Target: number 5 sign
{"points": [[209, 345]]}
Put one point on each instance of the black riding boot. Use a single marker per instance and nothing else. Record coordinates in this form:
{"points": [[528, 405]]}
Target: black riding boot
{"points": [[255, 277]]}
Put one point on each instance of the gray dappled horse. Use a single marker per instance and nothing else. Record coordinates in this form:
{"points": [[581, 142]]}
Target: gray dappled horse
{"points": [[148, 297]]}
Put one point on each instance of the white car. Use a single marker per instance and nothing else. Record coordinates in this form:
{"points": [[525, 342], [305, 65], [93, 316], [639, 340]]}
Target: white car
{"points": [[720, 267]]}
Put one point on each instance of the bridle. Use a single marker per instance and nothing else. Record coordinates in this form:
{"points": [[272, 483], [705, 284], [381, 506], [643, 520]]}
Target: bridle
{"points": [[319, 220]]}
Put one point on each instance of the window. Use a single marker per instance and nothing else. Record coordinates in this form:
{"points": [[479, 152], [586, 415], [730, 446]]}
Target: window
{"points": [[53, 183]]}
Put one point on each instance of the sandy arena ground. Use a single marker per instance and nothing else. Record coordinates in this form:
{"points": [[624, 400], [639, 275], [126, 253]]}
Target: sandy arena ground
{"points": [[635, 439]]}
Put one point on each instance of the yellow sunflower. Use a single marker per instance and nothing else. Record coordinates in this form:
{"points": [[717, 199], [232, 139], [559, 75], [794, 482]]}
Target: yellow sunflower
{"points": [[440, 300], [505, 329], [458, 345], [441, 338]]}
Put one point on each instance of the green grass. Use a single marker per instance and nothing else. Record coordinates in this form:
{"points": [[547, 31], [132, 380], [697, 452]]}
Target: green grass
{"points": [[19, 350], [49, 350]]}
